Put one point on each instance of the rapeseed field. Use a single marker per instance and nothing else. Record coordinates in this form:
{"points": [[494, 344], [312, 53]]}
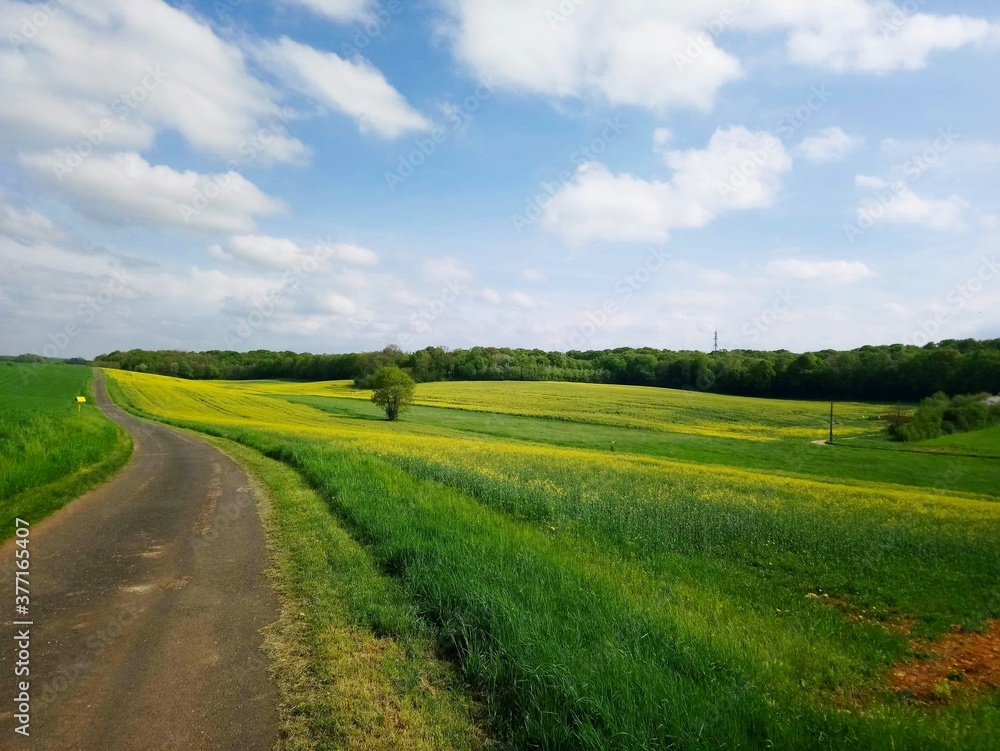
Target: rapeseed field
{"points": [[605, 600]]}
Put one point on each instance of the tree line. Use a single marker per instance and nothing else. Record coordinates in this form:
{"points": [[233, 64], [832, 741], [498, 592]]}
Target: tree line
{"points": [[873, 373]]}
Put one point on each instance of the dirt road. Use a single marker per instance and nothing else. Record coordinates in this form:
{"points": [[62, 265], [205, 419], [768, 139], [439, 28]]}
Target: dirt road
{"points": [[148, 597]]}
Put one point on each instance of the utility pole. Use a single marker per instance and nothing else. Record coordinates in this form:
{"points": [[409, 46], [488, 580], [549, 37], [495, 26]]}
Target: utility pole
{"points": [[716, 341], [831, 423]]}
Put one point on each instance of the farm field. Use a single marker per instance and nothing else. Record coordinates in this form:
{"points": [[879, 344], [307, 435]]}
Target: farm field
{"points": [[51, 452], [786, 450], [695, 588]]}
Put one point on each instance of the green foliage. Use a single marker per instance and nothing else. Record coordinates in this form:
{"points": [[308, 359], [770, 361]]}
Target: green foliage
{"points": [[885, 373], [393, 391], [940, 415]]}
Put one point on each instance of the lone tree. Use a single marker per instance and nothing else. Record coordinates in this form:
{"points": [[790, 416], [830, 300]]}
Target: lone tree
{"points": [[393, 390]]}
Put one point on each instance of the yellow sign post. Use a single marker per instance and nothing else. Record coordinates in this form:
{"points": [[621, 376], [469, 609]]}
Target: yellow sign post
{"points": [[80, 401]]}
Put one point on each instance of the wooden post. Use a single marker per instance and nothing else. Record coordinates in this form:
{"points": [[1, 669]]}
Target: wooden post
{"points": [[831, 423]]}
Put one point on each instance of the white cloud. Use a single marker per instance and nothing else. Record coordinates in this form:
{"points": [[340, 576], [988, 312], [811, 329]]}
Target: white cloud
{"points": [[880, 37], [829, 145], [738, 170], [522, 300], [125, 188], [534, 276], [281, 253], [892, 309], [608, 48], [140, 66], [259, 250], [445, 271], [897, 202], [355, 254], [661, 137], [26, 224], [826, 272], [354, 87], [669, 54], [491, 296], [339, 10], [339, 304]]}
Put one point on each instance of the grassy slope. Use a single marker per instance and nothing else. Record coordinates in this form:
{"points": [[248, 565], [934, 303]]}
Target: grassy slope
{"points": [[353, 661], [50, 452], [984, 443], [605, 601], [796, 456]]}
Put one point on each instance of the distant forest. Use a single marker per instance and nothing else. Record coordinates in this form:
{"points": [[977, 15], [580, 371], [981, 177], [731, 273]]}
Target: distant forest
{"points": [[876, 373]]}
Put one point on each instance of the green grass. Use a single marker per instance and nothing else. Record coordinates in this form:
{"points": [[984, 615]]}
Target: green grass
{"points": [[854, 459], [354, 662], [51, 451], [616, 601], [983, 443]]}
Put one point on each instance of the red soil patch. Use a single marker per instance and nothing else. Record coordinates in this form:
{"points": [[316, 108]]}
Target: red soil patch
{"points": [[958, 662]]}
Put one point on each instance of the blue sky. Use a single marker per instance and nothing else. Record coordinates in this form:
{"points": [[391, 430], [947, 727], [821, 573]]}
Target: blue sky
{"points": [[338, 175]]}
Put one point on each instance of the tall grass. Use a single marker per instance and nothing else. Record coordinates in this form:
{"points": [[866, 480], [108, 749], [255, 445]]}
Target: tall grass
{"points": [[50, 449], [605, 602]]}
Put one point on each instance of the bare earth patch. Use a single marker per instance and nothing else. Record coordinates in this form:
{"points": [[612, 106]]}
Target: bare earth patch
{"points": [[959, 662]]}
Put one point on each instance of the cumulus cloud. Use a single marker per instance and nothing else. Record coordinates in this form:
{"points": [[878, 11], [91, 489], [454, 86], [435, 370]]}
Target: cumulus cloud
{"points": [[354, 87], [615, 50], [26, 224], [339, 10], [897, 202], [282, 253], [829, 145], [669, 54], [125, 188], [522, 300], [339, 304], [738, 170], [826, 272], [880, 37], [141, 66]]}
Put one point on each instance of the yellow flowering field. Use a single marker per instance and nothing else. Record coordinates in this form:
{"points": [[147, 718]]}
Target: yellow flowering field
{"points": [[638, 592]]}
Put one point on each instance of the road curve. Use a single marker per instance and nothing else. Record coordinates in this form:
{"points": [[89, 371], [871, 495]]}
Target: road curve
{"points": [[148, 597]]}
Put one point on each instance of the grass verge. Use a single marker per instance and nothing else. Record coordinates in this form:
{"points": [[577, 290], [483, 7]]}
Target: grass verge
{"points": [[353, 661]]}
